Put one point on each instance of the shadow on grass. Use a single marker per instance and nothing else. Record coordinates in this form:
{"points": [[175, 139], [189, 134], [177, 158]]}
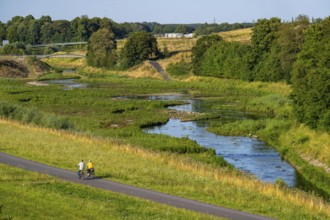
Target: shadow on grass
{"points": [[98, 177]]}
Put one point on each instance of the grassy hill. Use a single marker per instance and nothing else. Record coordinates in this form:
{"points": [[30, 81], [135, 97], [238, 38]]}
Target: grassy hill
{"points": [[22, 67]]}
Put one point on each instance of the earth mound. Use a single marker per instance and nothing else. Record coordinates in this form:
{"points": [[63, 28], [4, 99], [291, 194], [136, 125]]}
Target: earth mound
{"points": [[22, 67]]}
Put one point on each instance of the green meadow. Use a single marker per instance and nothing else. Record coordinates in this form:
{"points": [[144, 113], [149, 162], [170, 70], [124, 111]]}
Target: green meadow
{"points": [[29, 195]]}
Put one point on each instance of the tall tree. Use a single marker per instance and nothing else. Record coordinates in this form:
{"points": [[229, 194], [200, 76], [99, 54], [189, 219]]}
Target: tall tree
{"points": [[3, 32], [47, 32], [101, 50], [199, 49], [311, 77], [264, 33], [61, 31], [290, 41], [139, 46], [34, 32]]}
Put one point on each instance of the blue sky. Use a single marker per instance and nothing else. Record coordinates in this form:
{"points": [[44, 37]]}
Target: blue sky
{"points": [[167, 11]]}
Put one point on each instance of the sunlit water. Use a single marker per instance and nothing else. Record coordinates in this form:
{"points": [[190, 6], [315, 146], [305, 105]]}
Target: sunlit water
{"points": [[68, 84], [247, 154]]}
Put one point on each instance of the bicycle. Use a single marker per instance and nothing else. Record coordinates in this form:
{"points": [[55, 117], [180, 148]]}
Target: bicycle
{"points": [[91, 174], [81, 174]]}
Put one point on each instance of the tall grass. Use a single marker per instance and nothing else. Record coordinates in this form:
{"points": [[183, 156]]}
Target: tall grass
{"points": [[29, 195], [33, 116], [164, 172]]}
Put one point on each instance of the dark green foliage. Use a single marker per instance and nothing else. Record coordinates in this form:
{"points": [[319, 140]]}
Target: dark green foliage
{"points": [[179, 69], [264, 33], [290, 40], [2, 32], [13, 49], [33, 116], [206, 29], [268, 69], [275, 63], [29, 30], [140, 46], [311, 77], [101, 50], [199, 49], [227, 60]]}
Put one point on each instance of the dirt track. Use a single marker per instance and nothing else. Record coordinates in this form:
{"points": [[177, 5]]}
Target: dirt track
{"points": [[159, 69], [129, 190]]}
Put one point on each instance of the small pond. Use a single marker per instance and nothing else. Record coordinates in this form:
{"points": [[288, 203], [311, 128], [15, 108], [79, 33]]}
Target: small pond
{"points": [[68, 84]]}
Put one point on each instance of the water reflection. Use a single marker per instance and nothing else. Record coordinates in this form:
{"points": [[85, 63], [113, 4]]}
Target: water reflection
{"points": [[247, 154], [244, 153], [68, 84]]}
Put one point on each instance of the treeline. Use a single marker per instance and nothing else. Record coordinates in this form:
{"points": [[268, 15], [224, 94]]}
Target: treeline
{"points": [[296, 52], [197, 29], [29, 30]]}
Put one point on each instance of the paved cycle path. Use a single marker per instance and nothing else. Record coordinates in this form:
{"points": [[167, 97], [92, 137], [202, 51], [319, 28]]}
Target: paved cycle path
{"points": [[129, 190]]}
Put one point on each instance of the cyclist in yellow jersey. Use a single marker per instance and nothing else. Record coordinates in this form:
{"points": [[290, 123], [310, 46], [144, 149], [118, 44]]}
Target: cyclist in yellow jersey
{"points": [[90, 167]]}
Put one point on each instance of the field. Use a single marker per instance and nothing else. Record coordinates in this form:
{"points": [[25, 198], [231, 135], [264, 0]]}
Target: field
{"points": [[241, 35]]}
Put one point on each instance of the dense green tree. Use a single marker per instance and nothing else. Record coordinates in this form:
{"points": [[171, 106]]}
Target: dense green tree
{"points": [[183, 29], [82, 30], [139, 47], [268, 69], [12, 29], [311, 77], [47, 32], [201, 46], [3, 32], [227, 60], [45, 19], [264, 33], [290, 39], [101, 50], [61, 31], [13, 49], [34, 32]]}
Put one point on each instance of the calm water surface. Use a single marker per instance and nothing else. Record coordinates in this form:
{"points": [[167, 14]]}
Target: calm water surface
{"points": [[68, 84], [247, 154]]}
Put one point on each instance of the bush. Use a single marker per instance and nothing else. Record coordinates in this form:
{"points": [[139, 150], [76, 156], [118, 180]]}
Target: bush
{"points": [[33, 116], [179, 69]]}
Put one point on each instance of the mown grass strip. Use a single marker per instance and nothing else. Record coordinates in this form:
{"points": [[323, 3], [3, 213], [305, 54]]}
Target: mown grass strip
{"points": [[29, 195]]}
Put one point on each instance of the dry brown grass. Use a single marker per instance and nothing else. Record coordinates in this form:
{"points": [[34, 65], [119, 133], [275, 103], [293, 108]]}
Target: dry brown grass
{"points": [[176, 44], [241, 35], [66, 63], [144, 70], [22, 67]]}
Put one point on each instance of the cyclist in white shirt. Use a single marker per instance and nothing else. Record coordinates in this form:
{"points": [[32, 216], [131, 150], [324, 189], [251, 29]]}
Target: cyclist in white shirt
{"points": [[81, 166]]}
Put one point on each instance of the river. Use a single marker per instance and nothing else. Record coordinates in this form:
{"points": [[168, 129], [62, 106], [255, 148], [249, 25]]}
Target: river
{"points": [[247, 154]]}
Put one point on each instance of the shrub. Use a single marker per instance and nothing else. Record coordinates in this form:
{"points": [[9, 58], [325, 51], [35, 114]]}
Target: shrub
{"points": [[33, 116], [179, 69]]}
